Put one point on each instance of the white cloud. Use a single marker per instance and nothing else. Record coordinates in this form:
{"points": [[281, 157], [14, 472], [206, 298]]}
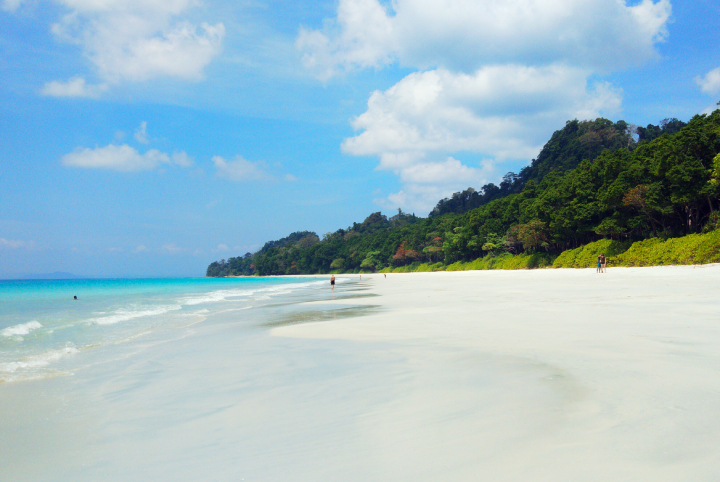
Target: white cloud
{"points": [[75, 87], [504, 112], [171, 248], [220, 248], [122, 158], [140, 249], [117, 158], [425, 183], [141, 134], [710, 109], [495, 78], [13, 243], [499, 111], [134, 40], [290, 177], [710, 82], [11, 5], [240, 169], [182, 159], [466, 34], [362, 36]]}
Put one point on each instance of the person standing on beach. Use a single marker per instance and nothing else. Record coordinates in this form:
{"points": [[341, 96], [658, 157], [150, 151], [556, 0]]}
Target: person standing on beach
{"points": [[599, 264], [332, 282], [604, 263]]}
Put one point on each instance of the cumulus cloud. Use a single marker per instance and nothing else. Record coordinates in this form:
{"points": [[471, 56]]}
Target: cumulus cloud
{"points": [[75, 87], [361, 36], [119, 158], [141, 134], [240, 169], [182, 159], [425, 183], [710, 82], [133, 41], [11, 5], [494, 79], [466, 34], [498, 112]]}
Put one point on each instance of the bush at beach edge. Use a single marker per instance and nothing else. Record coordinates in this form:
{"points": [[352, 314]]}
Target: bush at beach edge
{"points": [[690, 249], [686, 250]]}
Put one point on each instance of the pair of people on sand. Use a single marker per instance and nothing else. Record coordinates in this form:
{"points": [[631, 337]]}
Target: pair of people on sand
{"points": [[601, 263]]}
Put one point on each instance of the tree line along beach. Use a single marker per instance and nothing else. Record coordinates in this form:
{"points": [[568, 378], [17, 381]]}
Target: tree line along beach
{"points": [[645, 196]]}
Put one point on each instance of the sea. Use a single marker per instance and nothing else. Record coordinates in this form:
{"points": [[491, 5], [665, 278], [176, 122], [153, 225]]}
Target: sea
{"points": [[44, 330]]}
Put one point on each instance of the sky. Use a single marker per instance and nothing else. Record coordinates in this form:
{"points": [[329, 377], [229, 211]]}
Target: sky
{"points": [[144, 138]]}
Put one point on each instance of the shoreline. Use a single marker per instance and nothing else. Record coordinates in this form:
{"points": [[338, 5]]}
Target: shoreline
{"points": [[513, 374]]}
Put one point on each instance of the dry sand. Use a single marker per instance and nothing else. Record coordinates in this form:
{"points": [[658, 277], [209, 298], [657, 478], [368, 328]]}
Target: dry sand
{"points": [[544, 375]]}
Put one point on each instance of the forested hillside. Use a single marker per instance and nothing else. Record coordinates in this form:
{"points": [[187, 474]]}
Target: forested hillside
{"points": [[577, 141], [592, 180]]}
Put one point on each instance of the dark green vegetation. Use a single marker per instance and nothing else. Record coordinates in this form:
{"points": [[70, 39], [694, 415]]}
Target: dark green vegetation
{"points": [[591, 182], [565, 150]]}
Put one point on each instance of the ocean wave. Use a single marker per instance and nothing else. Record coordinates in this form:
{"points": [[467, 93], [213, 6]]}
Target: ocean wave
{"points": [[257, 293], [37, 361], [21, 329], [125, 315], [214, 296]]}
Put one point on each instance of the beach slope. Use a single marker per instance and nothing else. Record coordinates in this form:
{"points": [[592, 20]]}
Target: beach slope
{"points": [[541, 375]]}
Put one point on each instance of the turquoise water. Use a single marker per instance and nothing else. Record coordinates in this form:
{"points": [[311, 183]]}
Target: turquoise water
{"points": [[41, 324]]}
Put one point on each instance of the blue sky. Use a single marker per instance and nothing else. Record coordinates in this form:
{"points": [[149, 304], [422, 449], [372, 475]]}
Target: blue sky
{"points": [[151, 137]]}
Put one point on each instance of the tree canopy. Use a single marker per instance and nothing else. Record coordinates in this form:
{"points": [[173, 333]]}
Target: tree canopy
{"points": [[591, 181]]}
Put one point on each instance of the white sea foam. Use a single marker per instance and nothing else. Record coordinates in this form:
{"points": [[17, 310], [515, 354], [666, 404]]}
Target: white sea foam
{"points": [[28, 362], [125, 315], [257, 293], [37, 361], [21, 329], [214, 296]]}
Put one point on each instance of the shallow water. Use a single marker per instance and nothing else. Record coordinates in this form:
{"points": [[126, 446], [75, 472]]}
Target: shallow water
{"points": [[158, 379], [42, 328]]}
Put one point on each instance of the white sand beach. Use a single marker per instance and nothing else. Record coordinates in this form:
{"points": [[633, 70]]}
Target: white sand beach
{"points": [[545, 375], [541, 375]]}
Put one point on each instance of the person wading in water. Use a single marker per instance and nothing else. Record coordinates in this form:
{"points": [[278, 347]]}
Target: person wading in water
{"points": [[332, 282]]}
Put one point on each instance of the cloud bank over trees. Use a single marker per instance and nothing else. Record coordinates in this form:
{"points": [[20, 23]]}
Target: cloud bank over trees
{"points": [[493, 78]]}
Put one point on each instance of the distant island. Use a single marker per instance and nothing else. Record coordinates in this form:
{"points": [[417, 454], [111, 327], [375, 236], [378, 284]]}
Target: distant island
{"points": [[640, 195]]}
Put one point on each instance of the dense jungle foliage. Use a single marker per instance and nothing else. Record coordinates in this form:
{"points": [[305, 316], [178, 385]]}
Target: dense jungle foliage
{"points": [[592, 181]]}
